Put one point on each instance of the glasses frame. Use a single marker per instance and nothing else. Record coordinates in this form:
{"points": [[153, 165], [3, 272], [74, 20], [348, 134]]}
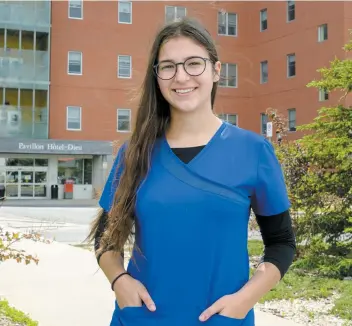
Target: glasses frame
{"points": [[183, 64]]}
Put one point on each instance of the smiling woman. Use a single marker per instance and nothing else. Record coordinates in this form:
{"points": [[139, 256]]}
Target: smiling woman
{"points": [[186, 182], [189, 88]]}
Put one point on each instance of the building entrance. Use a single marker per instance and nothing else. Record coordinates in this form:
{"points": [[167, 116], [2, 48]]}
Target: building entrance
{"points": [[24, 178], [26, 183]]}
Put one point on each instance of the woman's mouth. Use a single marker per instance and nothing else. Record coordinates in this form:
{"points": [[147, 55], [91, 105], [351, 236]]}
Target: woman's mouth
{"points": [[184, 91]]}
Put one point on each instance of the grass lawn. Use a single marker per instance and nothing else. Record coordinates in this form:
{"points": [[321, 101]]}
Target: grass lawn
{"points": [[294, 285], [14, 315]]}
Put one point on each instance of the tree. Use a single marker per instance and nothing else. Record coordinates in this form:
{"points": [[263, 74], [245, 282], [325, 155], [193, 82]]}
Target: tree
{"points": [[318, 172], [8, 239]]}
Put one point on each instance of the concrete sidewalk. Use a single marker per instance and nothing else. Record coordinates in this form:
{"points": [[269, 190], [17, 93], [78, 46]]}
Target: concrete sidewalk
{"points": [[49, 203], [68, 289], [64, 289]]}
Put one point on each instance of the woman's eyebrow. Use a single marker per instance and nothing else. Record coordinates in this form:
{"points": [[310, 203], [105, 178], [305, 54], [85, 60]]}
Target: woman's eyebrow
{"points": [[184, 59]]}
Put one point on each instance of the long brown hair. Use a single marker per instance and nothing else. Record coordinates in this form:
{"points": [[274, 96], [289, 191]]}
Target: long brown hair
{"points": [[153, 118]]}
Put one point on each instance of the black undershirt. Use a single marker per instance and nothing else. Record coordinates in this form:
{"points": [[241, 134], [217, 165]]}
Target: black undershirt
{"points": [[276, 230]]}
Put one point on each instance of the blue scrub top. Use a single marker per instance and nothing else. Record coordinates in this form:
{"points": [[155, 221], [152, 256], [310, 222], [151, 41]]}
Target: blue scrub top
{"points": [[192, 225]]}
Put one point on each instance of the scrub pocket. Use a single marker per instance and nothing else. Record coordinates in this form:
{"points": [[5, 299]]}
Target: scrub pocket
{"points": [[141, 316], [219, 320]]}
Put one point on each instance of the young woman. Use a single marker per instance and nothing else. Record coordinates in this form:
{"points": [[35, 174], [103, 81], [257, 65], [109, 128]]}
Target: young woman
{"points": [[184, 185]]}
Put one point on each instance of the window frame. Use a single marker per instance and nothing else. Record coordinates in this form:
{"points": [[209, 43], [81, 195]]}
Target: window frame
{"points": [[69, 7], [67, 117], [261, 72], [321, 33], [226, 64], [129, 121], [225, 117], [262, 123], [118, 66], [265, 10], [290, 121], [118, 12], [227, 23], [288, 65], [323, 95], [81, 64], [292, 4], [175, 13]]}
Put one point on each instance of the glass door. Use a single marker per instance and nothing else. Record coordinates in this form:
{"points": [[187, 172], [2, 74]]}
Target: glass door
{"points": [[40, 184], [26, 183], [12, 181], [33, 184]]}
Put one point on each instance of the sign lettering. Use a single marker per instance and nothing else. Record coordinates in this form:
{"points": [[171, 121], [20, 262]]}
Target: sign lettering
{"points": [[50, 147]]}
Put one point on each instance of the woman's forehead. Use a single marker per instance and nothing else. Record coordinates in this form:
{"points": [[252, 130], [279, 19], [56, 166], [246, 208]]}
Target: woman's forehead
{"points": [[180, 48]]}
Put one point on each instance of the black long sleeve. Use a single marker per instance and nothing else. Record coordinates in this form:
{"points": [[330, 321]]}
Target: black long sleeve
{"points": [[279, 240]]}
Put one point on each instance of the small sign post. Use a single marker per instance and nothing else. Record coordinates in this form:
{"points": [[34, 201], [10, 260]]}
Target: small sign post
{"points": [[269, 130]]}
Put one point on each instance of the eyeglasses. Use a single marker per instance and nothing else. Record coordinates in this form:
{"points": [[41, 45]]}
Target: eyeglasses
{"points": [[193, 66]]}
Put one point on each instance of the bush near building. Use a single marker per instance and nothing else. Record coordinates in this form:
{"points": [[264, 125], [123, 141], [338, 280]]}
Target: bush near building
{"points": [[318, 172]]}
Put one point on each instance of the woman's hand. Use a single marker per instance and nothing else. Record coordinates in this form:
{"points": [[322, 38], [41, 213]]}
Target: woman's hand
{"points": [[130, 292], [231, 306]]}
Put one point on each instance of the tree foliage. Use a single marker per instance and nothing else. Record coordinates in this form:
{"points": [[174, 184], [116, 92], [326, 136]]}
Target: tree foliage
{"points": [[318, 172], [8, 252]]}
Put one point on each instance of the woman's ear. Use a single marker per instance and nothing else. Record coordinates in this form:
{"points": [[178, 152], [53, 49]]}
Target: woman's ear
{"points": [[217, 70]]}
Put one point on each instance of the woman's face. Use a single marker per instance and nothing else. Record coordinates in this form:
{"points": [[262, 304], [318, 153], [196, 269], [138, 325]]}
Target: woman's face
{"points": [[183, 91]]}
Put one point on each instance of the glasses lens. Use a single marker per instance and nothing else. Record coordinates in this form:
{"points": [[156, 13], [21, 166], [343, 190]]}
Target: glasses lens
{"points": [[195, 66], [166, 70]]}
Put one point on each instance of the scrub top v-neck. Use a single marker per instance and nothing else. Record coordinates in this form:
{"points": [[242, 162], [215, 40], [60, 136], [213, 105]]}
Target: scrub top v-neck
{"points": [[192, 226]]}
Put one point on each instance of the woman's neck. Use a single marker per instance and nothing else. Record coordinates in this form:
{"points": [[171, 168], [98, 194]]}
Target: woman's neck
{"points": [[192, 129]]}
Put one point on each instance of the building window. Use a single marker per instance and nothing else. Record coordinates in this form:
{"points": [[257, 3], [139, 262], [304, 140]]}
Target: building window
{"points": [[74, 66], [75, 9], [227, 23], [76, 170], [292, 119], [125, 12], [263, 19], [174, 13], [74, 118], [123, 120], [323, 95], [291, 10], [228, 75], [264, 72], [263, 122], [291, 65], [124, 64], [230, 118], [323, 33]]}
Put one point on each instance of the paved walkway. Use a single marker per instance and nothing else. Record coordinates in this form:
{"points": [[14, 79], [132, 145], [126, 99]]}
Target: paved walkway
{"points": [[49, 203], [67, 288]]}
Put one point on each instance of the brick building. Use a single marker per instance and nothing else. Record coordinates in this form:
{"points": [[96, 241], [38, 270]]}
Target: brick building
{"points": [[70, 73]]}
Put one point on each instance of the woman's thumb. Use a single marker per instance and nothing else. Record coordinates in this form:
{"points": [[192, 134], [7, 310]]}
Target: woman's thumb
{"points": [[145, 297]]}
